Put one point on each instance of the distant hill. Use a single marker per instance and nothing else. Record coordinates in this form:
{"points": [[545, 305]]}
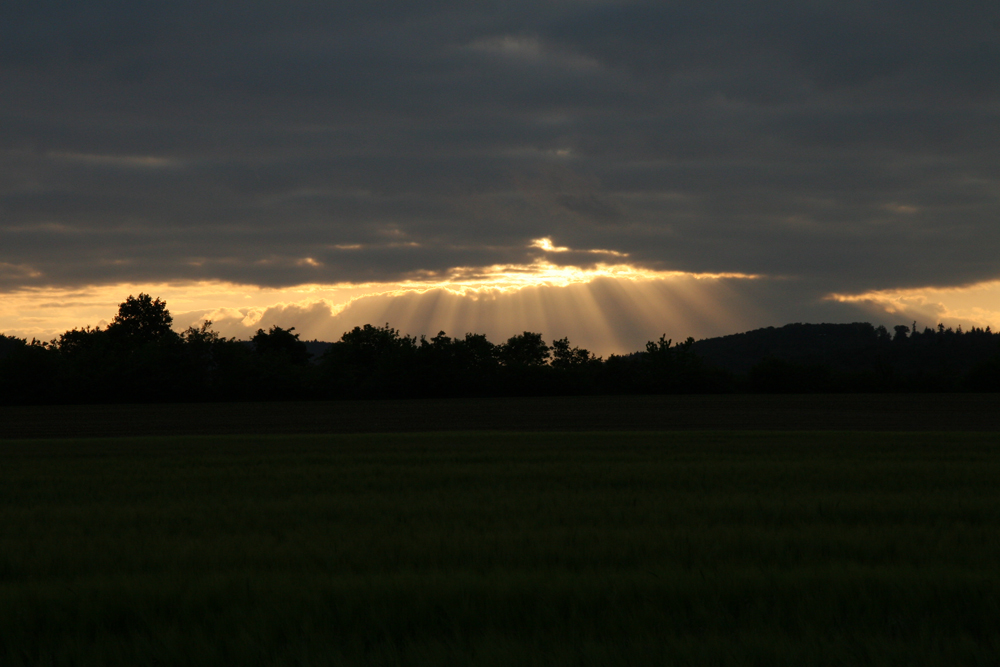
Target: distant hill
{"points": [[843, 347], [809, 358], [857, 357], [317, 348], [92, 365]]}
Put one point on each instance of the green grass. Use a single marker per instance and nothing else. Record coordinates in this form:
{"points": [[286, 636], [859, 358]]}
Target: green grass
{"points": [[731, 548]]}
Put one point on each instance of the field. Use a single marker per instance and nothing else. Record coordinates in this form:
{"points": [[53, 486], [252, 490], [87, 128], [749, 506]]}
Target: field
{"points": [[500, 548], [855, 412]]}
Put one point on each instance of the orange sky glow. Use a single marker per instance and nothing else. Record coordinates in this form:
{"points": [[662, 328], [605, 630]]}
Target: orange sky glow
{"points": [[606, 307], [584, 303], [967, 305]]}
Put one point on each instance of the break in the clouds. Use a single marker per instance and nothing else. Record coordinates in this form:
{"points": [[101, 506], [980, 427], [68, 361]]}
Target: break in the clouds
{"points": [[832, 148]]}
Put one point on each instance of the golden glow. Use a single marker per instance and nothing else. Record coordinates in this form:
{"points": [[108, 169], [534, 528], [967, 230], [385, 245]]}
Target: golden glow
{"points": [[507, 277], [546, 245], [590, 304], [499, 300], [969, 305]]}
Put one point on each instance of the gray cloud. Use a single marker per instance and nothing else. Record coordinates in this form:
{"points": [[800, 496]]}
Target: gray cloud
{"points": [[849, 145]]}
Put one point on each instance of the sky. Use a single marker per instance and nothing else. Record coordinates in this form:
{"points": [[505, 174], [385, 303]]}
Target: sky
{"points": [[605, 171]]}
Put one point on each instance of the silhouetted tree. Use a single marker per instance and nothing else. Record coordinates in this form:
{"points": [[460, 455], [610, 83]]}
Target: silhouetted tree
{"points": [[138, 357], [523, 366], [202, 336], [369, 345], [475, 366], [476, 353], [566, 357], [984, 376], [575, 369], [8, 344], [278, 367], [281, 343], [668, 368], [524, 350], [140, 320], [370, 361], [83, 341], [29, 372], [89, 359], [217, 368], [785, 377]]}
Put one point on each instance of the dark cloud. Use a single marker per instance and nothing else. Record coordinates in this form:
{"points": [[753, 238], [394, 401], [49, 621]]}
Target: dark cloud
{"points": [[848, 145]]}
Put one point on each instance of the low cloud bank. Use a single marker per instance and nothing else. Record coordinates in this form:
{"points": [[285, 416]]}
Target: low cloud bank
{"points": [[606, 315]]}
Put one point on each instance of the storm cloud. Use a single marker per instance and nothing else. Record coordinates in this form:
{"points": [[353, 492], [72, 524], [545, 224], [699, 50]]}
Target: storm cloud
{"points": [[837, 147]]}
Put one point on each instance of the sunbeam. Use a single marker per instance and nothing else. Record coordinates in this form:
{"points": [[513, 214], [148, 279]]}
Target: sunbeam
{"points": [[609, 306]]}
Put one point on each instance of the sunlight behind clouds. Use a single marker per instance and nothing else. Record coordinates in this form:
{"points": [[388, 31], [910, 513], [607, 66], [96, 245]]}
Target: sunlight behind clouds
{"points": [[606, 307], [606, 314], [968, 305]]}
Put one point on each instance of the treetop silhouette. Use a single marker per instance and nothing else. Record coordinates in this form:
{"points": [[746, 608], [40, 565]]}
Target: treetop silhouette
{"points": [[141, 320], [138, 357]]}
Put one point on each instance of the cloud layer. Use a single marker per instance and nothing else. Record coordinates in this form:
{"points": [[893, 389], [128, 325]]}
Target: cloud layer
{"points": [[605, 315], [844, 147]]}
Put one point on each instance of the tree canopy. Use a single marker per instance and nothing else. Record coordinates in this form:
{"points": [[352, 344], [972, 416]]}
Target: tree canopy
{"points": [[138, 357], [140, 320]]}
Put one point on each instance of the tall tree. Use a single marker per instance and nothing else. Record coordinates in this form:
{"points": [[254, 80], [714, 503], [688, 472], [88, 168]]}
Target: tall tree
{"points": [[524, 350], [281, 343], [140, 320]]}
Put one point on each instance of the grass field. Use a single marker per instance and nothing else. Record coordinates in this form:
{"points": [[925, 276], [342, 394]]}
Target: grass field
{"points": [[798, 412], [706, 548]]}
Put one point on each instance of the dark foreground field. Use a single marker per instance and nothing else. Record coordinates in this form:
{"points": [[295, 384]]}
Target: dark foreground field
{"points": [[873, 412], [707, 548]]}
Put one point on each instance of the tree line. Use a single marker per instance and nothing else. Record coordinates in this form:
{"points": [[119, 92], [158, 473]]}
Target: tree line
{"points": [[138, 357], [857, 357]]}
